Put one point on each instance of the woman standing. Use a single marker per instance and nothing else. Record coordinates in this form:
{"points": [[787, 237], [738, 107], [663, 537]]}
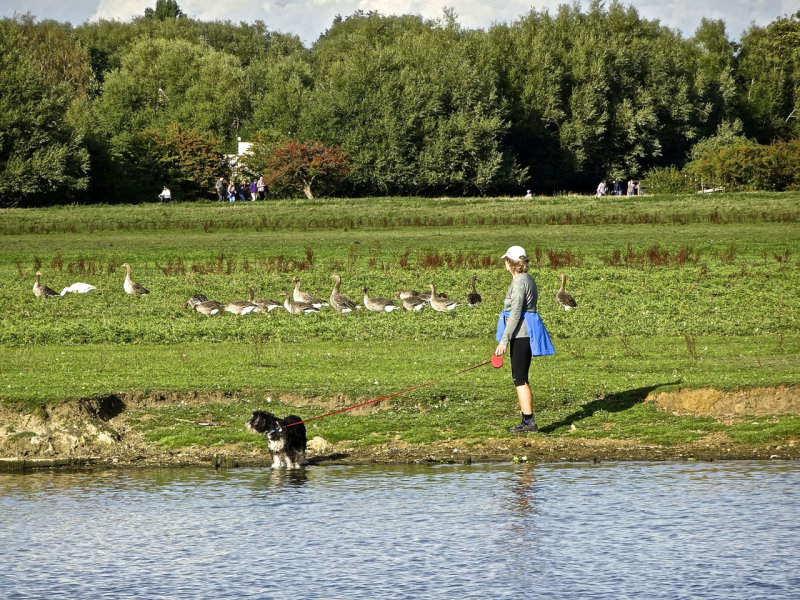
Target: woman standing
{"points": [[522, 332]]}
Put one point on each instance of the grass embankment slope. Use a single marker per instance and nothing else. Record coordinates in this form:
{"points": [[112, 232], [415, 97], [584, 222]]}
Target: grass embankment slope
{"points": [[685, 341]]}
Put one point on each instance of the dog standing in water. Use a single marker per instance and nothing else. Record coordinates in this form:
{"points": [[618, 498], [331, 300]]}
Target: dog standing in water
{"points": [[286, 442]]}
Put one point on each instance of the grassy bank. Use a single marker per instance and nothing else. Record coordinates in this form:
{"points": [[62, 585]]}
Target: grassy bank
{"points": [[673, 292]]}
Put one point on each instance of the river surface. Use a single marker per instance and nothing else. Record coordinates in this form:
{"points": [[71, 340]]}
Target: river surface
{"points": [[727, 530]]}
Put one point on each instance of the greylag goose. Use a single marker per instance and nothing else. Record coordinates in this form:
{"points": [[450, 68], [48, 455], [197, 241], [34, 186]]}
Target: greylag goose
{"points": [[377, 304], [305, 296], [78, 288], [564, 300], [404, 294], [240, 307], [210, 308], [442, 303], [195, 300], [415, 303], [130, 286], [42, 291], [263, 304], [340, 302], [474, 298], [298, 308]]}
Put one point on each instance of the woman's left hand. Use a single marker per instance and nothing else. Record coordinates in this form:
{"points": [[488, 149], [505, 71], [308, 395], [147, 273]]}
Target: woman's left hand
{"points": [[500, 350]]}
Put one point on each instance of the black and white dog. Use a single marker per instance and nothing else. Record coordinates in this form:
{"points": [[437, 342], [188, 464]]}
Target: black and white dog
{"points": [[286, 442]]}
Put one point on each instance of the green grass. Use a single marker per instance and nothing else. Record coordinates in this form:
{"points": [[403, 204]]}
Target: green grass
{"points": [[673, 292]]}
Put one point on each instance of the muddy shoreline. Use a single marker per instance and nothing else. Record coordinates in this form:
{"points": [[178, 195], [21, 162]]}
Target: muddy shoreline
{"points": [[95, 433]]}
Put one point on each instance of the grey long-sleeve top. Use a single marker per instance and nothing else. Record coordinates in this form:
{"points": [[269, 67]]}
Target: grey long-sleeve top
{"points": [[522, 296]]}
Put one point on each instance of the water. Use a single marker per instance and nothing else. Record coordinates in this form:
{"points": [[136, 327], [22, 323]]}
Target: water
{"points": [[619, 530]]}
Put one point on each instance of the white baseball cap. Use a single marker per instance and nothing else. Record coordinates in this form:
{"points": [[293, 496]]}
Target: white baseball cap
{"points": [[515, 253]]}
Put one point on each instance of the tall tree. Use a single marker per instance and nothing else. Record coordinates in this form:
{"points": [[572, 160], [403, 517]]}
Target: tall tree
{"points": [[43, 158]]}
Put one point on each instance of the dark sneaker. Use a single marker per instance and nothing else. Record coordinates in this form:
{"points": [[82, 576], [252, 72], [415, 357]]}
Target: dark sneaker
{"points": [[524, 428]]}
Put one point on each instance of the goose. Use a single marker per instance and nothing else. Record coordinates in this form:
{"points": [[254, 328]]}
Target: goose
{"points": [[297, 308], [564, 300], [415, 303], [442, 303], [42, 291], [404, 294], [130, 286], [210, 308], [377, 304], [340, 302], [240, 307], [78, 288], [195, 300], [305, 296], [262, 304], [474, 298]]}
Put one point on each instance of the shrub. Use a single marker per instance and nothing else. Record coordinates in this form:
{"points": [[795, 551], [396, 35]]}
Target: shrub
{"points": [[667, 180]]}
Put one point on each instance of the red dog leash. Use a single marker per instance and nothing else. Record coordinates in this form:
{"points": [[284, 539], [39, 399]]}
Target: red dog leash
{"points": [[494, 360]]}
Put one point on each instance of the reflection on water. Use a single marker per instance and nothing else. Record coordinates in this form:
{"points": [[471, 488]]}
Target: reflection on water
{"points": [[620, 530]]}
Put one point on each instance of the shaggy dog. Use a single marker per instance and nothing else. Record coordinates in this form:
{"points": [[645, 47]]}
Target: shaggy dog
{"points": [[287, 443]]}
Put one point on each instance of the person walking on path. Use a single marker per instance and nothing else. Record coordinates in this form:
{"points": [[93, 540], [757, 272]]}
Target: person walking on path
{"points": [[253, 191], [261, 186], [165, 195], [521, 331]]}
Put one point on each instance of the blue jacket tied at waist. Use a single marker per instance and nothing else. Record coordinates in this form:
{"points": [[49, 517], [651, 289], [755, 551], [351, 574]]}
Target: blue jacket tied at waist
{"points": [[540, 341]]}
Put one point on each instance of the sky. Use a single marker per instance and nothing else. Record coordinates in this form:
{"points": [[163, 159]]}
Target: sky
{"points": [[310, 18]]}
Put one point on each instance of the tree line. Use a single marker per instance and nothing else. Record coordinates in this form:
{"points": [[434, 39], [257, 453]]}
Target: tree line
{"points": [[108, 111]]}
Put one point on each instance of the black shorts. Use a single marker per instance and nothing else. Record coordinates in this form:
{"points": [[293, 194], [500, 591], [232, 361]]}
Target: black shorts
{"points": [[520, 350]]}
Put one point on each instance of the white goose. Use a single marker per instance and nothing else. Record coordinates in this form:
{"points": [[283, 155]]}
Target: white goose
{"points": [[378, 304], [340, 302], [42, 291], [305, 296], [78, 288], [442, 303], [298, 308], [564, 300], [130, 286]]}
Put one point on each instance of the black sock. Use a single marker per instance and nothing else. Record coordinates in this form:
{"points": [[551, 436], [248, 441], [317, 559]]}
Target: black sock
{"points": [[527, 419]]}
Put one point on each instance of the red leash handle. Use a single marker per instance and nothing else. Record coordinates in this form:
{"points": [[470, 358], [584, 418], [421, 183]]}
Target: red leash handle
{"points": [[416, 387]]}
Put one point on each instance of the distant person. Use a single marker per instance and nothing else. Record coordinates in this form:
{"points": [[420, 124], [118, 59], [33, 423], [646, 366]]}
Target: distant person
{"points": [[165, 195], [262, 188], [240, 189], [617, 188], [220, 185], [253, 191], [631, 188], [231, 191], [528, 195], [602, 189]]}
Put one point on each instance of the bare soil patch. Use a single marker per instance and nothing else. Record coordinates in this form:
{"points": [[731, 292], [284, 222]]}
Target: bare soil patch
{"points": [[782, 400]]}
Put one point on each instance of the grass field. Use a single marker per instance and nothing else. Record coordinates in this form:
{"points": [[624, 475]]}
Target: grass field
{"points": [[683, 291]]}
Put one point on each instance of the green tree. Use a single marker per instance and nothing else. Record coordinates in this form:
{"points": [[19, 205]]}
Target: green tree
{"points": [[299, 165], [173, 81], [43, 158], [164, 9], [769, 75], [411, 104]]}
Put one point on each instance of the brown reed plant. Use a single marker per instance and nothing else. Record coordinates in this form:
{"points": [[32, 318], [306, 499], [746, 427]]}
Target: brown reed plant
{"points": [[558, 260]]}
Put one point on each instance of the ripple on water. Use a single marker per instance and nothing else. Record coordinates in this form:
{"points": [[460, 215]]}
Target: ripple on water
{"points": [[617, 530]]}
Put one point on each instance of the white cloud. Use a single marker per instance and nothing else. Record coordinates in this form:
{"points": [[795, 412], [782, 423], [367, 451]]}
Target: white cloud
{"points": [[309, 18]]}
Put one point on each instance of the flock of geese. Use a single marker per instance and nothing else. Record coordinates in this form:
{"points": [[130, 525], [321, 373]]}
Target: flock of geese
{"points": [[301, 302]]}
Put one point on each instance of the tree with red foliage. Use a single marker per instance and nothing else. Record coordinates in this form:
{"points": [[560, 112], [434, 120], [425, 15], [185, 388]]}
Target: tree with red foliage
{"points": [[293, 164]]}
